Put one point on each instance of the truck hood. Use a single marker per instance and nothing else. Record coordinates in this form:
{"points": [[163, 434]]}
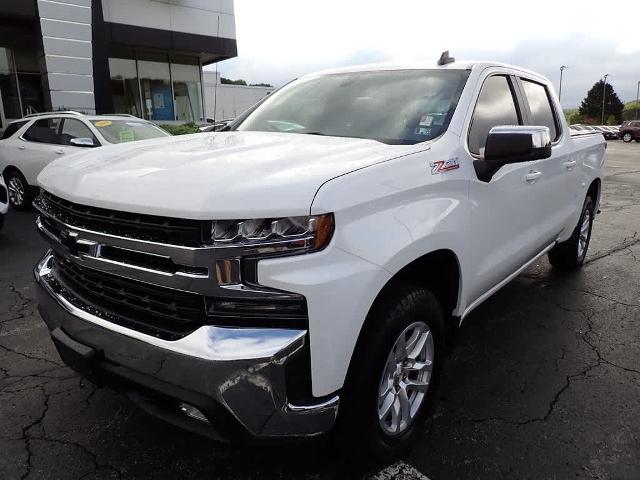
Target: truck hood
{"points": [[213, 175]]}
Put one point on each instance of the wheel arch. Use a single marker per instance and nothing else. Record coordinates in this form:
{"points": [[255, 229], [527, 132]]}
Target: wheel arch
{"points": [[594, 191], [438, 271]]}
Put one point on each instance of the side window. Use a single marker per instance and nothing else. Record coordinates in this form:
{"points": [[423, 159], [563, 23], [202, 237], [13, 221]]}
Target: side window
{"points": [[12, 128], [540, 107], [72, 128], [496, 106], [43, 131]]}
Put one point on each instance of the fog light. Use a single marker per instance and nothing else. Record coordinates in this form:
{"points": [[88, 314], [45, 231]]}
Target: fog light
{"points": [[193, 412]]}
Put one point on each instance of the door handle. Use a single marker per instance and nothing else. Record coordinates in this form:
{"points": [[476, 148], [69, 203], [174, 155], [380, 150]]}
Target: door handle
{"points": [[570, 164], [59, 152], [21, 147], [532, 176]]}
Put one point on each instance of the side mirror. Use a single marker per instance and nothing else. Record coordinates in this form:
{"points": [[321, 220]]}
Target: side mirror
{"points": [[513, 144], [82, 142]]}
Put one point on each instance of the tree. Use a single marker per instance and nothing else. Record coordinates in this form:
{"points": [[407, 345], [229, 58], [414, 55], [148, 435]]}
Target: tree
{"points": [[227, 81], [631, 111], [573, 117], [591, 107]]}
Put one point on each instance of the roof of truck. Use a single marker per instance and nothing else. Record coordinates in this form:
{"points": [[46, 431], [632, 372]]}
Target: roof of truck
{"points": [[456, 65]]}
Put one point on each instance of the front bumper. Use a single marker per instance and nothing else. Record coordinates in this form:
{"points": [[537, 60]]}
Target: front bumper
{"points": [[235, 378]]}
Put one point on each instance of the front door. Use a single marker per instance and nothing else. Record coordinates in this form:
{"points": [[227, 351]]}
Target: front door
{"points": [[505, 210]]}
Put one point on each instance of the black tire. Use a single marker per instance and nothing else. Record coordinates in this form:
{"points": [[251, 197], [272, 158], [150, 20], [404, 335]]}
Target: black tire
{"points": [[626, 137], [20, 196], [359, 433], [568, 255]]}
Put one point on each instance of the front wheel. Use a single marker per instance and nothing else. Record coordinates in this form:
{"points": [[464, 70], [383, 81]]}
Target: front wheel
{"points": [[627, 137], [19, 194], [570, 254], [393, 375]]}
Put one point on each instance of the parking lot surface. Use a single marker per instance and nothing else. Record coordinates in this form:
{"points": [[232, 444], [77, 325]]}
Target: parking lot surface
{"points": [[543, 382]]}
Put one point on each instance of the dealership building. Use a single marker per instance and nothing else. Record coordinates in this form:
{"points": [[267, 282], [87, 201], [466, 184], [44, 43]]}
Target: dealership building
{"points": [[141, 57]]}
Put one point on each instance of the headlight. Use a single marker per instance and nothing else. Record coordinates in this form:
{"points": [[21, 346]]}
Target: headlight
{"points": [[308, 233]]}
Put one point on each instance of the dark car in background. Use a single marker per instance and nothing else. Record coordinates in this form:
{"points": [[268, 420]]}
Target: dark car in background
{"points": [[630, 130]]}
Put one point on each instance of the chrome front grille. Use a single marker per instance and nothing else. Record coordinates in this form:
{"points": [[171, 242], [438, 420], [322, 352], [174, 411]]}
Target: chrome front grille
{"points": [[158, 288], [171, 231]]}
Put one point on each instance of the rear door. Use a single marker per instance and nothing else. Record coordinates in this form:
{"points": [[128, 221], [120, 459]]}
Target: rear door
{"points": [[558, 187], [39, 146], [506, 210]]}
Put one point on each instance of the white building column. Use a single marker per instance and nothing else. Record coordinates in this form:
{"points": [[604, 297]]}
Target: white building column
{"points": [[67, 54]]}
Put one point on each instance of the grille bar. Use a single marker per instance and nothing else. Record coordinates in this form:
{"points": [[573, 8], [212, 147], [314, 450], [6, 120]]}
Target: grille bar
{"points": [[162, 312], [167, 230]]}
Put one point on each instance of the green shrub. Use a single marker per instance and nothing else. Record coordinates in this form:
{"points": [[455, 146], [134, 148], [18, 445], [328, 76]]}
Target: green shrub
{"points": [[183, 129]]}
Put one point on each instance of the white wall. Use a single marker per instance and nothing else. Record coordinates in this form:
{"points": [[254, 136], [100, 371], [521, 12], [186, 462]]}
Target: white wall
{"points": [[66, 36], [190, 16], [230, 100]]}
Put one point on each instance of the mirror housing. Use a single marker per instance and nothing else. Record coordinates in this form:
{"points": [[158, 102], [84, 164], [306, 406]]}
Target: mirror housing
{"points": [[82, 142], [512, 144], [519, 143]]}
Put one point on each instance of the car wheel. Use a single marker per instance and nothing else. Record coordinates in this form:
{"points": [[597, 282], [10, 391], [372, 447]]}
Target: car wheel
{"points": [[19, 194], [570, 254], [627, 137], [393, 376]]}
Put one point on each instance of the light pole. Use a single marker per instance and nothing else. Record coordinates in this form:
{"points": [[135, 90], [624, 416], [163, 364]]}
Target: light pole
{"points": [[604, 96], [560, 90], [637, 98]]}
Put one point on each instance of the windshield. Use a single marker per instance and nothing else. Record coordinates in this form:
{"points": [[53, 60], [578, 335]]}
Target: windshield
{"points": [[396, 107], [121, 131]]}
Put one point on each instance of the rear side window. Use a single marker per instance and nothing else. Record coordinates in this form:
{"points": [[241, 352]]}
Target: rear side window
{"points": [[540, 107], [43, 131], [12, 128], [496, 106]]}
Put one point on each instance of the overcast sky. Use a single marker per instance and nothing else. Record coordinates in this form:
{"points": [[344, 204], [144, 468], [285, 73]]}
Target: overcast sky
{"points": [[279, 40]]}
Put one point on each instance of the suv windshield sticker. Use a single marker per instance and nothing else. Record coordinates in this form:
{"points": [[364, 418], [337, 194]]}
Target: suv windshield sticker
{"points": [[103, 123], [442, 166]]}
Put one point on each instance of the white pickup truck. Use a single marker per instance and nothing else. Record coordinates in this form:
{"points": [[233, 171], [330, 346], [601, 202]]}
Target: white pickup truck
{"points": [[303, 271]]}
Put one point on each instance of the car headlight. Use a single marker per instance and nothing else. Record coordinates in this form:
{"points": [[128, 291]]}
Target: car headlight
{"points": [[307, 233]]}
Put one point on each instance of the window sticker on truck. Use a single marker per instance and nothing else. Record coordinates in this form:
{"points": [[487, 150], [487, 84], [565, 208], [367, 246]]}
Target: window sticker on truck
{"points": [[442, 166]]}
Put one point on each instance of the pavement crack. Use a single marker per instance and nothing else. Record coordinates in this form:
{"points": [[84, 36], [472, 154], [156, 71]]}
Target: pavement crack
{"points": [[627, 242], [613, 300], [29, 357]]}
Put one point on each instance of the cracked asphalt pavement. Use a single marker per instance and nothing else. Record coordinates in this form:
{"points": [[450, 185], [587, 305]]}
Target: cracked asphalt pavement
{"points": [[543, 381]]}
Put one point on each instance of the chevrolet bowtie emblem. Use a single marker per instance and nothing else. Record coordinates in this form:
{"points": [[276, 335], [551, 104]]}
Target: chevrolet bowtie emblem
{"points": [[78, 246]]}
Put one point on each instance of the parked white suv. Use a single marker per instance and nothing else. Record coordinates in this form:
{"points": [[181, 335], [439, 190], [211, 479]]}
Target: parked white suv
{"points": [[29, 144], [304, 270]]}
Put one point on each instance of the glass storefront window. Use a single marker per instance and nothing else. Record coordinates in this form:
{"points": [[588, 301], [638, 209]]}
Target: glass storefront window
{"points": [[155, 83], [187, 92], [124, 86], [155, 86], [9, 86], [29, 81]]}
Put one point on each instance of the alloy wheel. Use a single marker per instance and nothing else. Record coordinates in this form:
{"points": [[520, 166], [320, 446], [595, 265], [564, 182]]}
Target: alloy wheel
{"points": [[406, 377], [16, 191], [583, 237]]}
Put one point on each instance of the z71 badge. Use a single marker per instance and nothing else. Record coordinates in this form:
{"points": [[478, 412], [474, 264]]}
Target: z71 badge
{"points": [[442, 166]]}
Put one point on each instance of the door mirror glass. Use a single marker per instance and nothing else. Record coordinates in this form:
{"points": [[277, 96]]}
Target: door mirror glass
{"points": [[513, 144], [82, 142]]}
